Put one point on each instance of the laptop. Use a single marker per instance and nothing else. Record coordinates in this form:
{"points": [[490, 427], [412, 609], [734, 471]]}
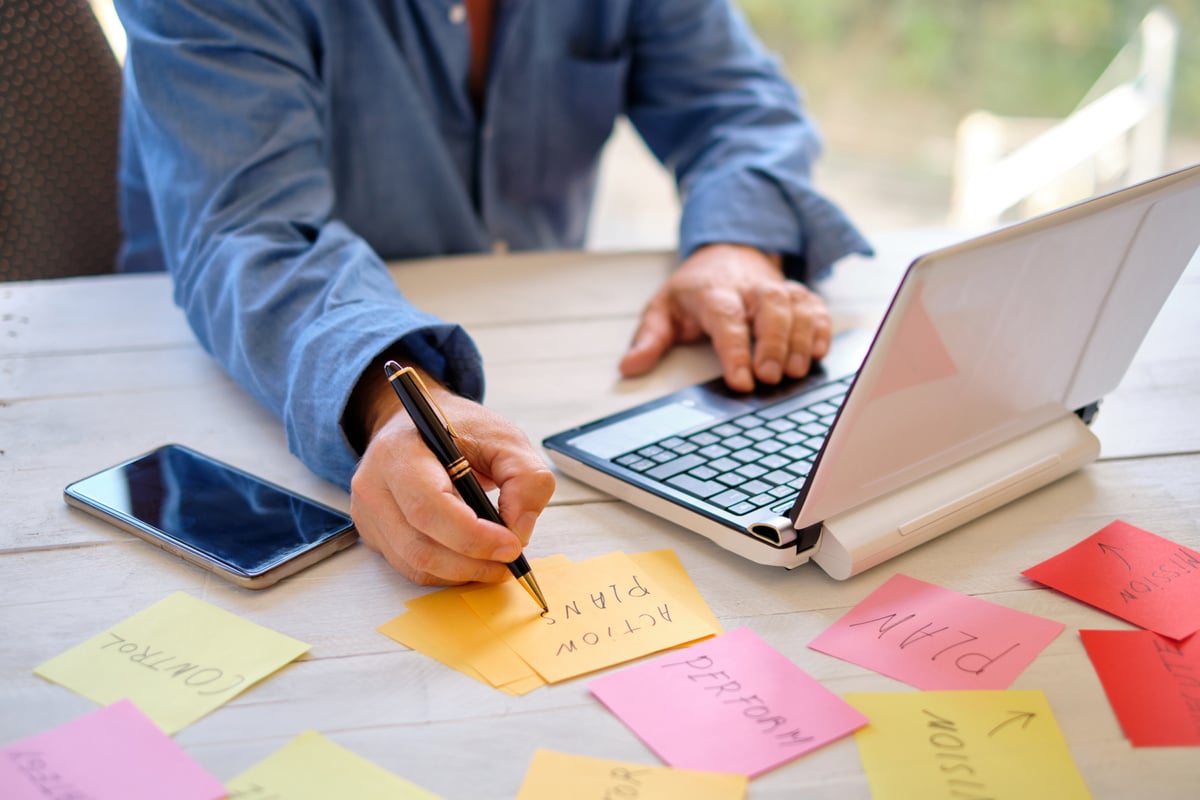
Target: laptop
{"points": [[977, 388]]}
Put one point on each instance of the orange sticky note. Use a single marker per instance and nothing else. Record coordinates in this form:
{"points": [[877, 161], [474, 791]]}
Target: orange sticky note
{"points": [[604, 611]]}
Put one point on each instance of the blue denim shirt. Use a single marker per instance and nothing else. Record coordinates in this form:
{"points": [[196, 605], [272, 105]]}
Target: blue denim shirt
{"points": [[276, 152]]}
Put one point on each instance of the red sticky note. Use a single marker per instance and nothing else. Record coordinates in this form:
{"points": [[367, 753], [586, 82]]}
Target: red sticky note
{"points": [[115, 753], [1133, 574], [1152, 683], [933, 638]]}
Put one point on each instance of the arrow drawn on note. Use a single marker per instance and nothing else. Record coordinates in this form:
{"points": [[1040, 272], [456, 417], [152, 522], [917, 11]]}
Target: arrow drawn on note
{"points": [[1023, 716], [1116, 551]]}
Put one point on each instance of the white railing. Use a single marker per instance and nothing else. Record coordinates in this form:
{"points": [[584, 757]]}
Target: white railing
{"points": [[1117, 134]]}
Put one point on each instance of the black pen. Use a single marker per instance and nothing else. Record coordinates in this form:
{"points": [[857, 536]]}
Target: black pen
{"points": [[439, 436]]}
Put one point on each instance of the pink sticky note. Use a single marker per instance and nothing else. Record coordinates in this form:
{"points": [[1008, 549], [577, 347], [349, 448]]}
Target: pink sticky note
{"points": [[728, 704], [1131, 573], [115, 753], [936, 639], [1152, 683]]}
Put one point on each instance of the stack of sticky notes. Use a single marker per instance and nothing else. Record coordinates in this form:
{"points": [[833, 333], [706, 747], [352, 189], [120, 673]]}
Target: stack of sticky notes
{"points": [[604, 611]]}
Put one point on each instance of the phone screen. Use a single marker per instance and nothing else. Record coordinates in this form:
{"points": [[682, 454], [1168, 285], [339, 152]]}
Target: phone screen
{"points": [[209, 507]]}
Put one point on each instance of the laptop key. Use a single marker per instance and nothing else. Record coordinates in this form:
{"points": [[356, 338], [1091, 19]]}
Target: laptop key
{"points": [[724, 464], [714, 451], [751, 470], [759, 434], [742, 508], [747, 455], [775, 461], [704, 438], [681, 464], [704, 472], [737, 442], [702, 489], [727, 498]]}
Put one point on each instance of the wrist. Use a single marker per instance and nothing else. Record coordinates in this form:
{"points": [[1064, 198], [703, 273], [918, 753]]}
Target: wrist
{"points": [[373, 401]]}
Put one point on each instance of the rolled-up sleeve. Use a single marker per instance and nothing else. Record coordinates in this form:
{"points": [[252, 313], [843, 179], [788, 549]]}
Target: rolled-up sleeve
{"points": [[715, 108], [225, 100]]}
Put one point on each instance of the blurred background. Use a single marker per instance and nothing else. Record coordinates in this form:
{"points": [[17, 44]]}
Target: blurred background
{"points": [[920, 101], [958, 114]]}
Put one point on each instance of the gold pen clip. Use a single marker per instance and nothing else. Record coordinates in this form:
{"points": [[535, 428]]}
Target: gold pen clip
{"points": [[432, 402]]}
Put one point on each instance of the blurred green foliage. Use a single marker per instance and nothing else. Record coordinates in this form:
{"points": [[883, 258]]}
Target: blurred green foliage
{"points": [[931, 61]]}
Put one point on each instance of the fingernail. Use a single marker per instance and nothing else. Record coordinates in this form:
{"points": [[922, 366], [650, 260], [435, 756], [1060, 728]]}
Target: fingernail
{"points": [[770, 372], [743, 378], [797, 365]]}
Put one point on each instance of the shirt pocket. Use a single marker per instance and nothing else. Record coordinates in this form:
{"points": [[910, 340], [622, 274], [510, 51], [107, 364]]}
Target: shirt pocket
{"points": [[581, 100]]}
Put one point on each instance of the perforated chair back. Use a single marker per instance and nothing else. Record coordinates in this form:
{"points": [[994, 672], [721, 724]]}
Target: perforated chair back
{"points": [[60, 90]]}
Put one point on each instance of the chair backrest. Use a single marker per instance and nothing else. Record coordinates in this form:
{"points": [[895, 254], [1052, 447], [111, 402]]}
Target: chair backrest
{"points": [[60, 90]]}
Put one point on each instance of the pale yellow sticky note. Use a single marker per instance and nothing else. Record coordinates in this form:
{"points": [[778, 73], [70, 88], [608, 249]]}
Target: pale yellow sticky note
{"points": [[311, 767], [553, 776], [603, 611], [177, 660], [965, 744]]}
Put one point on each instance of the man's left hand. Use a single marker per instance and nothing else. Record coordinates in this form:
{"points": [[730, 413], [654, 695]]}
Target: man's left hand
{"points": [[762, 325]]}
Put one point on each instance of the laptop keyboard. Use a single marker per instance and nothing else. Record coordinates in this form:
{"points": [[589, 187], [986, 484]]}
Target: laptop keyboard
{"points": [[749, 462]]}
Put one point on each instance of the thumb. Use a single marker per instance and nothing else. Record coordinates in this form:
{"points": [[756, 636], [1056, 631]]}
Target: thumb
{"points": [[653, 339]]}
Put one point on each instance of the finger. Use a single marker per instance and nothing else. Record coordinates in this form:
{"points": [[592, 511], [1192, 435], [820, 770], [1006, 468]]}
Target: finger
{"points": [[722, 315], [771, 313], [654, 337], [525, 480], [811, 331], [384, 529], [434, 508]]}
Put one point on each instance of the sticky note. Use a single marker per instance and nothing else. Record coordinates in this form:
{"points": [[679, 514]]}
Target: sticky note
{"points": [[730, 704], [554, 776], [933, 638], [311, 767], [1133, 574], [177, 660], [1152, 683], [604, 611], [114, 753], [965, 744], [444, 627]]}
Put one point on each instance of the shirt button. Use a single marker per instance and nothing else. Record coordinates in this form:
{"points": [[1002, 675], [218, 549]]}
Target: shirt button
{"points": [[499, 247], [458, 13]]}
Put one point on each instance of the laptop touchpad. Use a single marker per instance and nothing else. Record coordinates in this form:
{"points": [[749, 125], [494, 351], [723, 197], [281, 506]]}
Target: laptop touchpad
{"points": [[642, 429]]}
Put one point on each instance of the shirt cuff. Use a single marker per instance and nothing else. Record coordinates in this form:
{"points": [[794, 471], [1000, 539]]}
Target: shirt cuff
{"points": [[753, 208], [333, 359]]}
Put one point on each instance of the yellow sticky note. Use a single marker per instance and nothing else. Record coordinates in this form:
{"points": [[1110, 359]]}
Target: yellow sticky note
{"points": [[603, 611], [443, 627], [666, 568], [553, 776], [965, 744], [311, 767], [177, 660]]}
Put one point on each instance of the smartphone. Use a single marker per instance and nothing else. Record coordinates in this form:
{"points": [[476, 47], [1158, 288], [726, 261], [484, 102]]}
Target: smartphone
{"points": [[227, 521]]}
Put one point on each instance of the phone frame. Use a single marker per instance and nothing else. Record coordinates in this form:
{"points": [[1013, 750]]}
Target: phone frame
{"points": [[164, 540]]}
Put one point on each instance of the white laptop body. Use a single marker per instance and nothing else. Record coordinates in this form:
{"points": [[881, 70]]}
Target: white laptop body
{"points": [[975, 390]]}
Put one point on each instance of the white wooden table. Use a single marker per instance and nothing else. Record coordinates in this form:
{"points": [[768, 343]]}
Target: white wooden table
{"points": [[93, 370]]}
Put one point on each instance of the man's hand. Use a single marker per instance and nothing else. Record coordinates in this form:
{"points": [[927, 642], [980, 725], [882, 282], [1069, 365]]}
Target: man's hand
{"points": [[406, 508], [762, 325]]}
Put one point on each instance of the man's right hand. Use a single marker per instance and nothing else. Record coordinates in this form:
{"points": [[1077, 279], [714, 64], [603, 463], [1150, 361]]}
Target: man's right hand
{"points": [[406, 508]]}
